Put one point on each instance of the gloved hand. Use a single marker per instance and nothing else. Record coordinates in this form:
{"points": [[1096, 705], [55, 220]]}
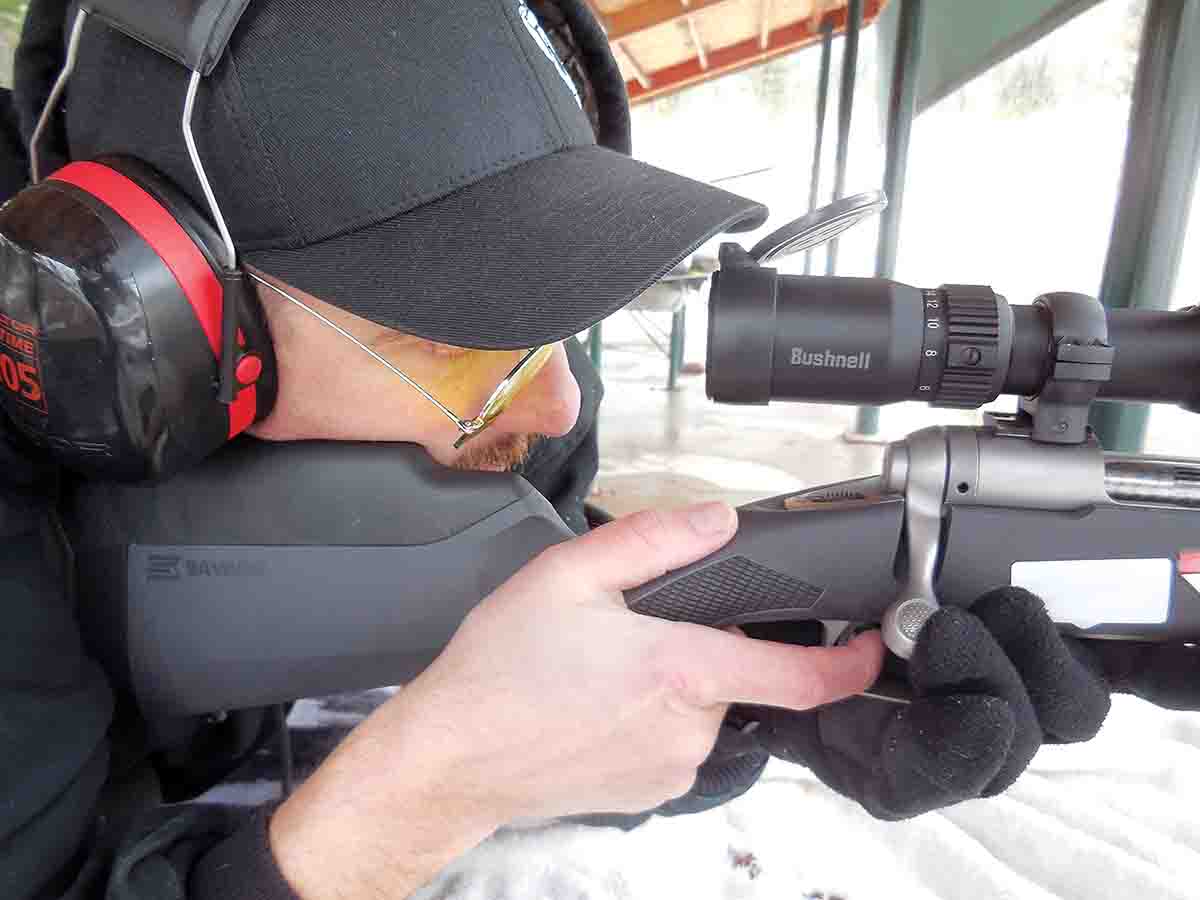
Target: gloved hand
{"points": [[1167, 675], [990, 685], [732, 767]]}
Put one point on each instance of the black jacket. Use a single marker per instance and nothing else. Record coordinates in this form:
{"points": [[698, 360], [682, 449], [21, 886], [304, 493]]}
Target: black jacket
{"points": [[82, 782], [93, 800]]}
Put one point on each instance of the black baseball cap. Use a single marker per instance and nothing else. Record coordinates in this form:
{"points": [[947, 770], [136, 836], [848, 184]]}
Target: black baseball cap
{"points": [[425, 165]]}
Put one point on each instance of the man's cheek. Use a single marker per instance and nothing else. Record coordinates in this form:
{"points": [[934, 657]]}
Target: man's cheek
{"points": [[464, 382]]}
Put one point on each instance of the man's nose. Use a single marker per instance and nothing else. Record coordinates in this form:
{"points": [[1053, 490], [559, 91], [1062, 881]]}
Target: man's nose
{"points": [[548, 405]]}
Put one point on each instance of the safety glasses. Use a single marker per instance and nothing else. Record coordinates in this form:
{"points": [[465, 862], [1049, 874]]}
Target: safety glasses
{"points": [[502, 397]]}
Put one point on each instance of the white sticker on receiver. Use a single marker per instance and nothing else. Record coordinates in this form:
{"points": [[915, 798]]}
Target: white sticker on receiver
{"points": [[1090, 592]]}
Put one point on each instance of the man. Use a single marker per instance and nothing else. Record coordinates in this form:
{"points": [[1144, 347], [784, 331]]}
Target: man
{"points": [[417, 180], [489, 147]]}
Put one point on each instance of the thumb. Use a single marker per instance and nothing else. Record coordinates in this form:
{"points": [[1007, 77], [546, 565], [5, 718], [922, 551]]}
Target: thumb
{"points": [[638, 548]]}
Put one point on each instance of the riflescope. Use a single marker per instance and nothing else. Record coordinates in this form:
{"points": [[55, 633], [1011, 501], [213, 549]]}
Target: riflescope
{"points": [[873, 341]]}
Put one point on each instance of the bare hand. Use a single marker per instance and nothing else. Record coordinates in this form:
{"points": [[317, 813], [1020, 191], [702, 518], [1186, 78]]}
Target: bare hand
{"points": [[553, 698]]}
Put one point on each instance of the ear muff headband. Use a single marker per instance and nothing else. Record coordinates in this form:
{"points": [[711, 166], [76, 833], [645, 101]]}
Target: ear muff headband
{"points": [[176, 249]]}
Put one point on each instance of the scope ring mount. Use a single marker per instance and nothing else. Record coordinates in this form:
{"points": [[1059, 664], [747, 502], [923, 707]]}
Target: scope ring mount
{"points": [[1080, 363]]}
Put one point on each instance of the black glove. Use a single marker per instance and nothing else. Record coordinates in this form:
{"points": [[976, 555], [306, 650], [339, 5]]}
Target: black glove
{"points": [[731, 769], [1168, 675], [989, 686]]}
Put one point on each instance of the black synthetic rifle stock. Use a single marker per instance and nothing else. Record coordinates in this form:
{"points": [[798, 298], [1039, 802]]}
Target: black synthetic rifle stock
{"points": [[323, 581], [274, 571]]}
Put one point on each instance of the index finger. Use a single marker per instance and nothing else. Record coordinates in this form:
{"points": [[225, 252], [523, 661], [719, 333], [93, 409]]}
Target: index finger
{"points": [[727, 668]]}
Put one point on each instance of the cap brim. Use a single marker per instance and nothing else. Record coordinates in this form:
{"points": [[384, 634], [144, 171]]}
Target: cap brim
{"points": [[525, 257]]}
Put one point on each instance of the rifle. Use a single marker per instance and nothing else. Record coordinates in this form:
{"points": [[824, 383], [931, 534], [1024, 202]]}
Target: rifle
{"points": [[278, 571]]}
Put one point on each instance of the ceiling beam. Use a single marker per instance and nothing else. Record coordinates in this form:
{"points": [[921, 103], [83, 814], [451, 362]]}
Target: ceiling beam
{"points": [[638, 73], [765, 25], [747, 53], [701, 53], [650, 14]]}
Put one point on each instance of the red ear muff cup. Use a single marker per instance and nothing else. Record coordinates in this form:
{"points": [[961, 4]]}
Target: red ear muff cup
{"points": [[174, 246], [121, 309]]}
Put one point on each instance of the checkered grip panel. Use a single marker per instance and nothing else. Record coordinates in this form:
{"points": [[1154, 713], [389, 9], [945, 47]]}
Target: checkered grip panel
{"points": [[726, 591]]}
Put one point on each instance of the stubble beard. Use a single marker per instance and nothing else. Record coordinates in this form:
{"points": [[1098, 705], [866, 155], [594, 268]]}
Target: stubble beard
{"points": [[501, 456]]}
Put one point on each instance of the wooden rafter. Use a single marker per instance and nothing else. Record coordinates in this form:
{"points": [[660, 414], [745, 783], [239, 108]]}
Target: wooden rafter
{"points": [[650, 14], [642, 78], [731, 58], [701, 53]]}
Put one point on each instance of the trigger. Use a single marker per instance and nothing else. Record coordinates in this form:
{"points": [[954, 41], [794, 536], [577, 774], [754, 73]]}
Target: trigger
{"points": [[836, 632], [892, 684], [891, 689]]}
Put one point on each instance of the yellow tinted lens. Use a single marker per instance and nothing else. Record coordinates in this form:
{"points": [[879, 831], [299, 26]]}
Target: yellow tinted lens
{"points": [[519, 378]]}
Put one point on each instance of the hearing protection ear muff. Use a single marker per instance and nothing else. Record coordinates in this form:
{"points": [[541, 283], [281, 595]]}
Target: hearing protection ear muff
{"points": [[112, 310]]}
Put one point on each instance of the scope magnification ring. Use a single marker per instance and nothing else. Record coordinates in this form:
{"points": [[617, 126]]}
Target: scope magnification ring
{"points": [[933, 345], [972, 342], [960, 350]]}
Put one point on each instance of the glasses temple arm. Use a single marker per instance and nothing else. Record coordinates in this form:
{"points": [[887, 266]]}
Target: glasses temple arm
{"points": [[461, 423]]}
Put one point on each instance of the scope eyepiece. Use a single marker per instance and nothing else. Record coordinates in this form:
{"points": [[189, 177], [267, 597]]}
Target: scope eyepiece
{"points": [[851, 340]]}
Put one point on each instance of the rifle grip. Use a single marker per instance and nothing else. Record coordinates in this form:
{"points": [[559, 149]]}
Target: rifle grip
{"points": [[825, 561]]}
